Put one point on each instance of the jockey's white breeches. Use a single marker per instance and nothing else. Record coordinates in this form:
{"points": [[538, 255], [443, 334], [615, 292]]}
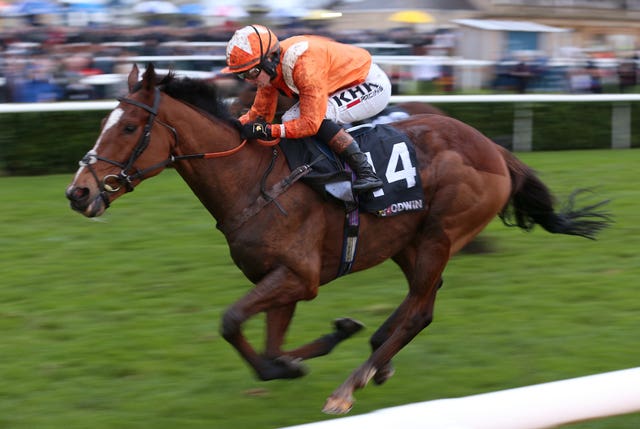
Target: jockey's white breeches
{"points": [[355, 103]]}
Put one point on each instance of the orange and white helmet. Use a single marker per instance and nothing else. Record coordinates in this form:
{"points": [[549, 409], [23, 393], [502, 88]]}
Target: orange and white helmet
{"points": [[251, 46]]}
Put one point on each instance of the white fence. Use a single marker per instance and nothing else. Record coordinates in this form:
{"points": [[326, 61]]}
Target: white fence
{"points": [[522, 122], [532, 407], [523, 116]]}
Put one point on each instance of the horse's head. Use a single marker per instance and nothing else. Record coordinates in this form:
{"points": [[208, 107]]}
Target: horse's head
{"points": [[134, 144]]}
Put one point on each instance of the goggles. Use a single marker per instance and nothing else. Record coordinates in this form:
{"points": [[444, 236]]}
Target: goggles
{"points": [[250, 74]]}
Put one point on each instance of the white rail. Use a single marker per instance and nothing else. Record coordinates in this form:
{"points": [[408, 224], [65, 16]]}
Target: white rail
{"points": [[435, 99], [522, 122], [516, 98], [62, 106], [533, 407]]}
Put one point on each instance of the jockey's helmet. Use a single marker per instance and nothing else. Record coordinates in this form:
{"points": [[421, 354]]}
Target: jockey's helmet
{"points": [[250, 46]]}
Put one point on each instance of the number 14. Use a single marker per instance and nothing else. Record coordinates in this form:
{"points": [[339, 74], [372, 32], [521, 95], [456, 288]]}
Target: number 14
{"points": [[398, 168]]}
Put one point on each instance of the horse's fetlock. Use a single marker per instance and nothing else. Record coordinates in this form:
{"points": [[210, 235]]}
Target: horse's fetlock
{"points": [[365, 376]]}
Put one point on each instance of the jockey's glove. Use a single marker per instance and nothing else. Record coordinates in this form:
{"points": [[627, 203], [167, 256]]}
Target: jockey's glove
{"points": [[257, 130]]}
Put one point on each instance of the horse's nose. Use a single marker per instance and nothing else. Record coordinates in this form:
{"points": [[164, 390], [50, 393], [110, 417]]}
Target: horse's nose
{"points": [[78, 196]]}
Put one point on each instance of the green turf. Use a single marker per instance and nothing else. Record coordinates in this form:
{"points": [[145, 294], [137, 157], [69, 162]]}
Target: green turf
{"points": [[114, 323]]}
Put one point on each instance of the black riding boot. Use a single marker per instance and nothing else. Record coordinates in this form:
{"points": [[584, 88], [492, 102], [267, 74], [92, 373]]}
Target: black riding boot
{"points": [[366, 179], [344, 145]]}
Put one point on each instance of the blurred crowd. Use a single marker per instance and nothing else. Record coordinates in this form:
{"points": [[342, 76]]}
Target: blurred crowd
{"points": [[41, 63], [56, 63], [596, 73]]}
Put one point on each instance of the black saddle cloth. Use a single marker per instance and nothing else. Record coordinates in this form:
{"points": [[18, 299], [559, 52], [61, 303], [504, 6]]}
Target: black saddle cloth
{"points": [[393, 158]]}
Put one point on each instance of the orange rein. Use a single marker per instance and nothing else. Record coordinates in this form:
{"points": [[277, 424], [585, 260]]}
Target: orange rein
{"points": [[209, 155], [267, 143]]}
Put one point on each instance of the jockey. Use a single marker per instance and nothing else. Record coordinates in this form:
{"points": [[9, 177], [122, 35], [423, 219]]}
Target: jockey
{"points": [[334, 84]]}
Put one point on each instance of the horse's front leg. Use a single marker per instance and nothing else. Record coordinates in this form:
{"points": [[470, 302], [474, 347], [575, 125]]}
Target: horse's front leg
{"points": [[278, 320], [279, 289]]}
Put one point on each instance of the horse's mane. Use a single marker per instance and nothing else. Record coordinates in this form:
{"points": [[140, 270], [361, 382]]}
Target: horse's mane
{"points": [[196, 92]]}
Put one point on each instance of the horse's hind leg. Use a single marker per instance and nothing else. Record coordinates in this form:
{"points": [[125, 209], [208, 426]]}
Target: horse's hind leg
{"points": [[406, 261], [278, 320], [413, 315], [382, 334]]}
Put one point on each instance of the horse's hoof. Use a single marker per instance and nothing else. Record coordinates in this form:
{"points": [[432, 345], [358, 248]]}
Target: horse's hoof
{"points": [[384, 373], [348, 326], [293, 368], [283, 367], [337, 405]]}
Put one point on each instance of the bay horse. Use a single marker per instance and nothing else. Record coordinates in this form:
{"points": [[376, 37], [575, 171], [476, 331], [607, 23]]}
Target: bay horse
{"points": [[286, 238]]}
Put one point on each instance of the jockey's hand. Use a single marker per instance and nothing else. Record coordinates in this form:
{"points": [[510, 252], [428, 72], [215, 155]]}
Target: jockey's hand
{"points": [[257, 130]]}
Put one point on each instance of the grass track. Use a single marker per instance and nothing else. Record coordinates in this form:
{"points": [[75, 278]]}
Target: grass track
{"points": [[113, 323]]}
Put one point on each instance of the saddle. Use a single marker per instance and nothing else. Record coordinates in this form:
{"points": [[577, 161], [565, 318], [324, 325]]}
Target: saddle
{"points": [[393, 158]]}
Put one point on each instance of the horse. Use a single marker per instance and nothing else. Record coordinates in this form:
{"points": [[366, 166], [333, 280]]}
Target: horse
{"points": [[286, 238]]}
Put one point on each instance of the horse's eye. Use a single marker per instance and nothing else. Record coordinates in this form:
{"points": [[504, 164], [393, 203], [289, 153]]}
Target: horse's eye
{"points": [[129, 129]]}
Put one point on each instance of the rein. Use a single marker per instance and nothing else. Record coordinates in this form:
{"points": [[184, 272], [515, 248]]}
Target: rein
{"points": [[112, 183]]}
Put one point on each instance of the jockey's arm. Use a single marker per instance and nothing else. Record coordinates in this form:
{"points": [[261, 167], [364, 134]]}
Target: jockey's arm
{"points": [[312, 87], [264, 106]]}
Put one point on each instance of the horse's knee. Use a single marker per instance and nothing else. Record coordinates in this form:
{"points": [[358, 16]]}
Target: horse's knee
{"points": [[421, 321], [231, 322], [427, 319]]}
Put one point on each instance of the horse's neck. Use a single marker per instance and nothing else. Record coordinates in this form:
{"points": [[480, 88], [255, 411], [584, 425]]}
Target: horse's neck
{"points": [[225, 185]]}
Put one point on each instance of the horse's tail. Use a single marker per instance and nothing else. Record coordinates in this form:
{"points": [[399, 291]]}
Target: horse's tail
{"points": [[531, 202]]}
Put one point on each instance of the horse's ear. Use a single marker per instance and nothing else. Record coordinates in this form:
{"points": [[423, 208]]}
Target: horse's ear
{"points": [[134, 74], [149, 77]]}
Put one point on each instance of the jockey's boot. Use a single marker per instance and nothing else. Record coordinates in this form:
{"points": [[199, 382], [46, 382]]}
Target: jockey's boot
{"points": [[344, 145], [366, 179]]}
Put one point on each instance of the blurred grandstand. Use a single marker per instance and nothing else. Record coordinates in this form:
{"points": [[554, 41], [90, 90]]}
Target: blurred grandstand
{"points": [[81, 49]]}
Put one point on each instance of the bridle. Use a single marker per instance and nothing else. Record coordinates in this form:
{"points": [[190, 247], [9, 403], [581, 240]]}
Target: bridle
{"points": [[112, 183]]}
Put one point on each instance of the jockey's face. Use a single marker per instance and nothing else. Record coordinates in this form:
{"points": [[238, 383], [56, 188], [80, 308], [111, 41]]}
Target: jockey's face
{"points": [[262, 80]]}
